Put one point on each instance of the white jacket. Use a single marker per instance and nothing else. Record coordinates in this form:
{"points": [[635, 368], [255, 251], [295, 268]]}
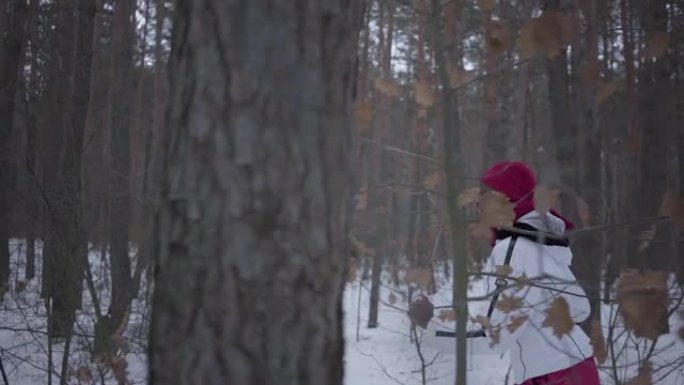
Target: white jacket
{"points": [[534, 349]]}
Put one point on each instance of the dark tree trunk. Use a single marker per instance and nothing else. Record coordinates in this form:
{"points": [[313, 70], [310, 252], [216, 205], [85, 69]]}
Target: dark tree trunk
{"points": [[378, 197], [68, 241], [12, 25], [119, 184], [253, 218], [30, 257]]}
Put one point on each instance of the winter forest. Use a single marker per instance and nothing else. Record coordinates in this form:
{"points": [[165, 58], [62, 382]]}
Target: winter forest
{"points": [[291, 192]]}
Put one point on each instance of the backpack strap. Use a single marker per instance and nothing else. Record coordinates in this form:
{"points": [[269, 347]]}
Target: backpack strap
{"points": [[501, 284]]}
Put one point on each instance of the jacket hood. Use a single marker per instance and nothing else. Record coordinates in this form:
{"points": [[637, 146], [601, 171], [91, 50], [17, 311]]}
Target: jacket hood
{"points": [[550, 223]]}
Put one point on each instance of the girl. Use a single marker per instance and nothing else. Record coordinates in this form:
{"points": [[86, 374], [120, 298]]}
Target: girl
{"points": [[541, 352]]}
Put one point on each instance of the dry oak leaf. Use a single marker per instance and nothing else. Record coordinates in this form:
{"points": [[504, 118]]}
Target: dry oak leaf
{"points": [[516, 322], [643, 299], [604, 91], [419, 276], [392, 299], [448, 315], [590, 73], [486, 5], [544, 198], [459, 76], [656, 45], [421, 311], [497, 36], [598, 342], [362, 200], [672, 206], [494, 334], [503, 270], [558, 317], [546, 34], [387, 86], [480, 231], [364, 116], [646, 237], [424, 95], [509, 303], [433, 180], [119, 365], [583, 211], [84, 375], [480, 319], [468, 196], [644, 376], [496, 210]]}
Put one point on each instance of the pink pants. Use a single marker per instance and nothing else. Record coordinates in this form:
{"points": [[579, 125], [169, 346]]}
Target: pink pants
{"points": [[583, 373]]}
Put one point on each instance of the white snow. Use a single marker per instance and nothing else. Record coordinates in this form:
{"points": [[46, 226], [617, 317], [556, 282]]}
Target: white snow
{"points": [[381, 356]]}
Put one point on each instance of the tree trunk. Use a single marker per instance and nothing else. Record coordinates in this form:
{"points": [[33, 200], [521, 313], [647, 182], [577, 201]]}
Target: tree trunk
{"points": [[253, 220], [68, 242], [378, 197], [12, 25], [30, 257]]}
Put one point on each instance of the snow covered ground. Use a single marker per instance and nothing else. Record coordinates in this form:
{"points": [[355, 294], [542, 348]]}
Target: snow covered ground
{"points": [[381, 356]]}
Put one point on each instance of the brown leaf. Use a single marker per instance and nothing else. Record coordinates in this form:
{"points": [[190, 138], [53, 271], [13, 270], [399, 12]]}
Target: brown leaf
{"points": [[604, 92], [496, 210], [119, 365], [495, 334], [558, 317], [364, 116], [643, 299], [656, 45], [387, 87], [644, 376], [583, 211], [468, 196], [424, 95], [392, 299], [516, 322], [447, 315], [598, 342], [672, 206], [503, 270], [546, 34], [497, 36], [486, 5], [419, 276], [84, 375], [544, 198], [459, 76], [480, 231], [509, 303], [646, 237], [590, 73], [433, 180], [522, 282], [20, 286], [481, 319], [421, 311]]}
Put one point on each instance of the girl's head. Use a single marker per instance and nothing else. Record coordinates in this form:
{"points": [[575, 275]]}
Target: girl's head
{"points": [[513, 179]]}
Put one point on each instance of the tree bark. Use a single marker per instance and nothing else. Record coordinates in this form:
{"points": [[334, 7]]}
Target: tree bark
{"points": [[378, 197], [253, 221], [12, 26], [66, 241]]}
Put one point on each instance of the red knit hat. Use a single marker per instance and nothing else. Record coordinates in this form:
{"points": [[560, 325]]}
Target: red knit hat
{"points": [[516, 181]]}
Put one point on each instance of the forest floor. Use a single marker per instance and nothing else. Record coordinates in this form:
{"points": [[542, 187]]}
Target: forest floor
{"points": [[385, 355]]}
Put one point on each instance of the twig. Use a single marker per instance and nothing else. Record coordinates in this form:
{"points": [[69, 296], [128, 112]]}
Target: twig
{"points": [[4, 375]]}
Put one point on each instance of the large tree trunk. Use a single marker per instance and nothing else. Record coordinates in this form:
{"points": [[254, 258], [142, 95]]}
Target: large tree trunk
{"points": [[119, 185], [66, 243], [12, 25], [253, 220]]}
